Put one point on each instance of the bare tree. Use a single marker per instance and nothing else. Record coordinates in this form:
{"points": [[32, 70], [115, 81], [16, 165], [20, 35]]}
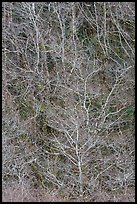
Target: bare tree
{"points": [[68, 99]]}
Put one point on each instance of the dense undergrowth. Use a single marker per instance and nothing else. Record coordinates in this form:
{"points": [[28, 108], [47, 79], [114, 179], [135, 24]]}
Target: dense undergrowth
{"points": [[68, 101]]}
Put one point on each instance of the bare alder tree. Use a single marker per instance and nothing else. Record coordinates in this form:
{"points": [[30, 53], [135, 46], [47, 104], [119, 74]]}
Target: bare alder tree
{"points": [[68, 101]]}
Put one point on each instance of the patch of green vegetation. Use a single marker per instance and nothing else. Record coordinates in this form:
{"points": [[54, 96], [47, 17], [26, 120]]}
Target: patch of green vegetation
{"points": [[116, 49], [97, 169], [96, 105], [16, 87], [88, 37], [57, 101], [23, 35], [92, 103], [38, 174], [60, 174], [92, 43], [8, 177], [88, 102], [42, 107], [45, 145], [42, 125], [128, 26], [106, 151], [85, 32], [41, 122], [50, 61], [62, 158], [24, 137], [40, 86], [129, 113], [112, 109], [25, 108], [77, 97], [58, 60], [115, 41]]}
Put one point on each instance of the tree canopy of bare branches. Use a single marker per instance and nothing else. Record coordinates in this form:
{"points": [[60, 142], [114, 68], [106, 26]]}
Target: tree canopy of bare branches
{"points": [[68, 104]]}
